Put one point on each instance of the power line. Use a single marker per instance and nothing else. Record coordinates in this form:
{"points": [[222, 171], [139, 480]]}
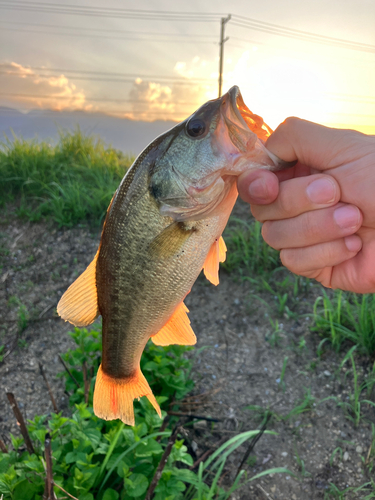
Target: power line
{"points": [[125, 32], [240, 21], [82, 35], [94, 99], [130, 76], [109, 12], [299, 34], [114, 9]]}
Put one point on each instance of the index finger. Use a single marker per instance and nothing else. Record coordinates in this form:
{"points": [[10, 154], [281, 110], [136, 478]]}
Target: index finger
{"points": [[312, 144]]}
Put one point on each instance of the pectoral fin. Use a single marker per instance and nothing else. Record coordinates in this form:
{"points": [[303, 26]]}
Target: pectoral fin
{"points": [[177, 330], [216, 255], [171, 239], [79, 304]]}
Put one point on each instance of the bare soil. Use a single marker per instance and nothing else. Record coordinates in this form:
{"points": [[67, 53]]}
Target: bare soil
{"points": [[240, 365]]}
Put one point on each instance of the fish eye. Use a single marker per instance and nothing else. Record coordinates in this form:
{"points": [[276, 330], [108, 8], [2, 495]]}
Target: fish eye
{"points": [[196, 127]]}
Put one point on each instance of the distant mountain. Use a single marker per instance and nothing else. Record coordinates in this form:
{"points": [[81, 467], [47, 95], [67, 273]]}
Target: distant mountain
{"points": [[127, 135]]}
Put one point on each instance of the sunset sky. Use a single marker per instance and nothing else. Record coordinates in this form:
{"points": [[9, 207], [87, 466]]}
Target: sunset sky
{"points": [[315, 60]]}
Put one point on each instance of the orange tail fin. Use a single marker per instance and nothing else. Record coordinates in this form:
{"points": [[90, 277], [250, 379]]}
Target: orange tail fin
{"points": [[113, 397]]}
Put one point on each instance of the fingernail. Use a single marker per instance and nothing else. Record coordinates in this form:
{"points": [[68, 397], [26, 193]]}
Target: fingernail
{"points": [[258, 189], [322, 191], [347, 217], [353, 243]]}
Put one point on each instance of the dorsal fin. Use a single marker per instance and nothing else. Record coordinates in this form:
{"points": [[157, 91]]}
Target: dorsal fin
{"points": [[177, 330], [216, 254], [79, 304]]}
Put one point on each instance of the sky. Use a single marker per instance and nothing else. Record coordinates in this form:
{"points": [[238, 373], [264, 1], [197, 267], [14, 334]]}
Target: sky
{"points": [[315, 60]]}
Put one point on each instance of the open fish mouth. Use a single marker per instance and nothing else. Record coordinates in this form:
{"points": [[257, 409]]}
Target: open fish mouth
{"points": [[248, 131], [243, 116]]}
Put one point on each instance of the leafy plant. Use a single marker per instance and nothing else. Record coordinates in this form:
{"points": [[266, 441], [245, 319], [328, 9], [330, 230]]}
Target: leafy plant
{"points": [[95, 459]]}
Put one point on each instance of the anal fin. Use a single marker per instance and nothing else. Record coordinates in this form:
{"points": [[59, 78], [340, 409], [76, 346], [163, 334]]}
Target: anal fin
{"points": [[79, 304], [216, 255], [177, 330], [113, 397]]}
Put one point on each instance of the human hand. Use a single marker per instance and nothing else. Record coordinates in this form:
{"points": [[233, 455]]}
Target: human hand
{"points": [[321, 212]]}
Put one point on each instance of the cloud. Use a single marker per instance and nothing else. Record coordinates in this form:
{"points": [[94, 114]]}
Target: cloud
{"points": [[28, 89], [176, 100]]}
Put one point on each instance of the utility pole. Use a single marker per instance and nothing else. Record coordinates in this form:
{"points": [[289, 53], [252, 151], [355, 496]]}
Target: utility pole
{"points": [[224, 21]]}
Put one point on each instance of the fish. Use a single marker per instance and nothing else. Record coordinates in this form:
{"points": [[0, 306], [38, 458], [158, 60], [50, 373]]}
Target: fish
{"points": [[163, 226]]}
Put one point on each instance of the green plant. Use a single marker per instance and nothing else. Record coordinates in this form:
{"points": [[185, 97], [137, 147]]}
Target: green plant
{"points": [[353, 407], [335, 451], [301, 464], [248, 253], [369, 460], [280, 380], [70, 182], [274, 338], [346, 317], [306, 403], [95, 459], [334, 492]]}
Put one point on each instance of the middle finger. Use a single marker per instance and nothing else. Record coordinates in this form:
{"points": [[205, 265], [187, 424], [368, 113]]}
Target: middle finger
{"points": [[299, 195], [313, 227]]}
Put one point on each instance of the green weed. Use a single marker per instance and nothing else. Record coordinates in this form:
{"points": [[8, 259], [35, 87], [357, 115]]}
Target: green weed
{"points": [[96, 459], [306, 403], [301, 464], [248, 253], [367, 489], [274, 338], [280, 380], [346, 317], [354, 404], [70, 182]]}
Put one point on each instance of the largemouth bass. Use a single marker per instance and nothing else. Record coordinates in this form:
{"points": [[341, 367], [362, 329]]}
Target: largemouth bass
{"points": [[163, 227]]}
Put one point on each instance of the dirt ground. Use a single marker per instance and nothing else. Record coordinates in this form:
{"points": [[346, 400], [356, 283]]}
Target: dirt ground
{"points": [[241, 365]]}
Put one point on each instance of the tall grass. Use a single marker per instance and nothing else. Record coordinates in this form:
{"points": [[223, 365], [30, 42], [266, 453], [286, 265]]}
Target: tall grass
{"points": [[69, 182], [346, 317], [248, 253]]}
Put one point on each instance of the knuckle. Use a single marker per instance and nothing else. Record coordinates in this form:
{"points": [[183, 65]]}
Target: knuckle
{"points": [[270, 235], [258, 212], [288, 259], [286, 204], [312, 227], [290, 123]]}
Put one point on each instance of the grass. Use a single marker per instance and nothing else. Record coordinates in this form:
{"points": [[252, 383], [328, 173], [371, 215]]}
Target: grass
{"points": [[346, 317], [70, 182], [353, 407], [248, 253]]}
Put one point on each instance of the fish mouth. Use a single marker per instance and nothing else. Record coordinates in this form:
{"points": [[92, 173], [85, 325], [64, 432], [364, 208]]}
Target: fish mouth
{"points": [[243, 123]]}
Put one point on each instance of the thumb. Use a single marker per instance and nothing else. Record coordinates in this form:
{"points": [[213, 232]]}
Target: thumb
{"points": [[258, 187]]}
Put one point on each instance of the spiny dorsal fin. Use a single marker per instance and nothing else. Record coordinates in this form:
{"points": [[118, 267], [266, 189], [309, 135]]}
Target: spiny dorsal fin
{"points": [[79, 304], [177, 330], [216, 254], [113, 397]]}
